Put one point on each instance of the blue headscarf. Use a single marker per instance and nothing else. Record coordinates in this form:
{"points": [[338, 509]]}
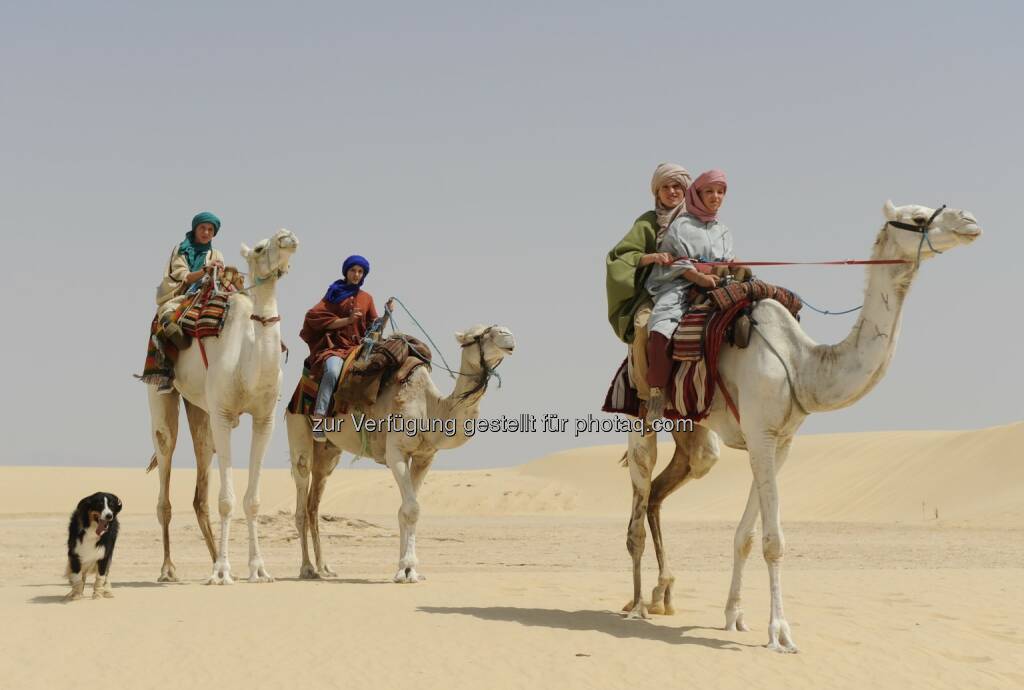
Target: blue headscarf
{"points": [[194, 252], [341, 289]]}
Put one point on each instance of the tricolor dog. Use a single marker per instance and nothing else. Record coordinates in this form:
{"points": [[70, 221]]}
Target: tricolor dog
{"points": [[91, 536]]}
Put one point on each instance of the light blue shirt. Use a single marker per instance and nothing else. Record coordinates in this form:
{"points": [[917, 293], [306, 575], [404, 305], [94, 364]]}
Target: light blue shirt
{"points": [[689, 239]]}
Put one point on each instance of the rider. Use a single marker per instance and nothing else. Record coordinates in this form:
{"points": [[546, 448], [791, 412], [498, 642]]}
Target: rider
{"points": [[190, 260], [629, 264], [334, 327], [694, 236]]}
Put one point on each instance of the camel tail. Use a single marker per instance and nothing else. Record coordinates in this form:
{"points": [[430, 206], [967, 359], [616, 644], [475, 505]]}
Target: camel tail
{"points": [[152, 464], [623, 461]]}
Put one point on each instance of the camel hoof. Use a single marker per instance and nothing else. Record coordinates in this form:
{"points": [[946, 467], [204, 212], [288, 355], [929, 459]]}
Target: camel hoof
{"points": [[220, 577], [107, 594], [168, 575], [73, 595], [734, 621], [780, 639], [408, 576], [260, 574], [307, 573], [635, 610], [326, 572], [661, 609]]}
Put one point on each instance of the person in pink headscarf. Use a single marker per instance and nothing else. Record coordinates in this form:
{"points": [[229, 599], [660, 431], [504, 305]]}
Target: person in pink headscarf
{"points": [[693, 237]]}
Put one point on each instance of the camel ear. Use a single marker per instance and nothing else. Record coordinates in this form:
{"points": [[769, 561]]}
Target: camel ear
{"points": [[461, 337], [246, 251], [889, 210]]}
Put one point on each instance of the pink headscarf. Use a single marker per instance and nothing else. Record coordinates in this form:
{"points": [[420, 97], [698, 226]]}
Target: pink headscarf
{"points": [[694, 204]]}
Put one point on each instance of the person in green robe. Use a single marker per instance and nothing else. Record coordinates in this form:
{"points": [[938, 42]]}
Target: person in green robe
{"points": [[629, 263]]}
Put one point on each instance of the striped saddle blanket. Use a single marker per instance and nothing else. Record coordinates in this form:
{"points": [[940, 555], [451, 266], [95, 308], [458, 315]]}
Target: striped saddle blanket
{"points": [[203, 316]]}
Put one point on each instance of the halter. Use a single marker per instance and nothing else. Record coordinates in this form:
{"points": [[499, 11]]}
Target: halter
{"points": [[923, 229], [487, 371]]}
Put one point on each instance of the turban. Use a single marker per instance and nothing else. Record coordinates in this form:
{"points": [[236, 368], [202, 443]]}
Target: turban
{"points": [[694, 204], [206, 217], [341, 289], [664, 174]]}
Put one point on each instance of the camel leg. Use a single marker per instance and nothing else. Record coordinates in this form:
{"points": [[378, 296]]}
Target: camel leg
{"points": [[773, 543], [325, 459], [221, 423], [202, 443], [408, 513], [696, 453], [743, 542], [641, 456], [302, 463], [163, 414], [262, 429], [418, 466]]}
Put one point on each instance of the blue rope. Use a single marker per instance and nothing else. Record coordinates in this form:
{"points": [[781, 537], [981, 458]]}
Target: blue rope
{"points": [[395, 329], [394, 326], [826, 312]]}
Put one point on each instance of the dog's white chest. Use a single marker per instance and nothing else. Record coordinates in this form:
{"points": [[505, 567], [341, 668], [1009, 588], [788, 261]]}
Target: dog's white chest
{"points": [[89, 551]]}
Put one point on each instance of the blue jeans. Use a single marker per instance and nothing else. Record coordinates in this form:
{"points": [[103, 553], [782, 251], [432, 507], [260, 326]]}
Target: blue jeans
{"points": [[332, 370]]}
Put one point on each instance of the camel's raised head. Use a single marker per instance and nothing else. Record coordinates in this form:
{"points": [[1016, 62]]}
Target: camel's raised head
{"points": [[919, 231], [495, 342], [269, 258]]}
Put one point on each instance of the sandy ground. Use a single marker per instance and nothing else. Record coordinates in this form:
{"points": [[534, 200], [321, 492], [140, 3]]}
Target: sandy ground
{"points": [[527, 572]]}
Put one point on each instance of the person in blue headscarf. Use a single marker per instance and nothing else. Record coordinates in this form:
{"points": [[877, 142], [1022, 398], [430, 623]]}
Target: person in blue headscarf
{"points": [[191, 259], [335, 326]]}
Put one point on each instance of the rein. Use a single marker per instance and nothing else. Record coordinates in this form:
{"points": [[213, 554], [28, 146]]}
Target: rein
{"points": [[486, 371], [922, 228]]}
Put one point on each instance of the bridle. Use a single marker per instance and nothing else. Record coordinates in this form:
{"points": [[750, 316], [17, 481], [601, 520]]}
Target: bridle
{"points": [[923, 229], [486, 371]]}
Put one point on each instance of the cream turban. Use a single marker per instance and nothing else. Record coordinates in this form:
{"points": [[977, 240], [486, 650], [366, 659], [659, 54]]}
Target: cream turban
{"points": [[664, 174], [669, 172]]}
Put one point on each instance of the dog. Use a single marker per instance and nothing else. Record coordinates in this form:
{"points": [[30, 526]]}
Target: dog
{"points": [[92, 533]]}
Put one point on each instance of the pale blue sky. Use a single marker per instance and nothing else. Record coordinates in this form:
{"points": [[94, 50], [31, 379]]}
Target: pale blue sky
{"points": [[485, 158]]}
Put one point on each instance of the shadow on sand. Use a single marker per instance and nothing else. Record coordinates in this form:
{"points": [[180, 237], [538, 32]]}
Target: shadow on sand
{"points": [[337, 580], [601, 621]]}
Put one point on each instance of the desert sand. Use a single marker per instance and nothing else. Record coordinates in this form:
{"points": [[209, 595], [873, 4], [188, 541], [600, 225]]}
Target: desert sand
{"points": [[904, 569]]}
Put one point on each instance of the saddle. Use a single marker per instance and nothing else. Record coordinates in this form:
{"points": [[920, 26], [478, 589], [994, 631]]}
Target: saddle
{"points": [[715, 317], [393, 358]]}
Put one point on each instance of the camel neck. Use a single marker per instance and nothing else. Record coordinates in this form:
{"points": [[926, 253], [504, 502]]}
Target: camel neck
{"points": [[264, 299], [847, 371]]}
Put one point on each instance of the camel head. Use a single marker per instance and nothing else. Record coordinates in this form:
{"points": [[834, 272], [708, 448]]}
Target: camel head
{"points": [[496, 342], [948, 229], [268, 260]]}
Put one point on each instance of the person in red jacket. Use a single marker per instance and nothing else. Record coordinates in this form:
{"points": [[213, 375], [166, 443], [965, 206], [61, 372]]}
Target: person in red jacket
{"points": [[334, 327]]}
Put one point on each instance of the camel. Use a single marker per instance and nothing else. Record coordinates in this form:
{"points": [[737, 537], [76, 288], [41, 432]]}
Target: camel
{"points": [[243, 376], [444, 420], [776, 382]]}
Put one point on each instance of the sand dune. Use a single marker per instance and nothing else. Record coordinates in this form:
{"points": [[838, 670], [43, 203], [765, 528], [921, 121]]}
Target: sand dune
{"points": [[875, 477], [528, 570]]}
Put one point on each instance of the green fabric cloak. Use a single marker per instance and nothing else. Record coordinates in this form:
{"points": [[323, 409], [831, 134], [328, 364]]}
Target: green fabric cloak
{"points": [[625, 280]]}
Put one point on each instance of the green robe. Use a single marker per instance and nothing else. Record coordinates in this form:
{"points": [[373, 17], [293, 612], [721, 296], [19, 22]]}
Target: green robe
{"points": [[625, 279]]}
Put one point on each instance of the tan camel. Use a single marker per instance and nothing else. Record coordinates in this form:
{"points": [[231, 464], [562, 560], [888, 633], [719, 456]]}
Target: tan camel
{"points": [[776, 382], [442, 423], [243, 377]]}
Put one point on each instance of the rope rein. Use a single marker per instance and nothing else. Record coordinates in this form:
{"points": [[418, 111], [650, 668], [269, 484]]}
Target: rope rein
{"points": [[922, 228]]}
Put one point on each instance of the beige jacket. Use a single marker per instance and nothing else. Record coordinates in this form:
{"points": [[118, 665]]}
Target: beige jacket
{"points": [[173, 283]]}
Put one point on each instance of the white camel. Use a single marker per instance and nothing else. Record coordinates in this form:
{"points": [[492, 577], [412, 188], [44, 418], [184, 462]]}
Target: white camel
{"points": [[418, 401], [243, 377], [776, 382]]}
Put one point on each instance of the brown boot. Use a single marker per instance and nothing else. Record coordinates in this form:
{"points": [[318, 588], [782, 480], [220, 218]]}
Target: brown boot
{"points": [[741, 331], [172, 332]]}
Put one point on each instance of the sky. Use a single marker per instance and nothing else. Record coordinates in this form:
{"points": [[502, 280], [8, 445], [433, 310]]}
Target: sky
{"points": [[485, 157]]}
